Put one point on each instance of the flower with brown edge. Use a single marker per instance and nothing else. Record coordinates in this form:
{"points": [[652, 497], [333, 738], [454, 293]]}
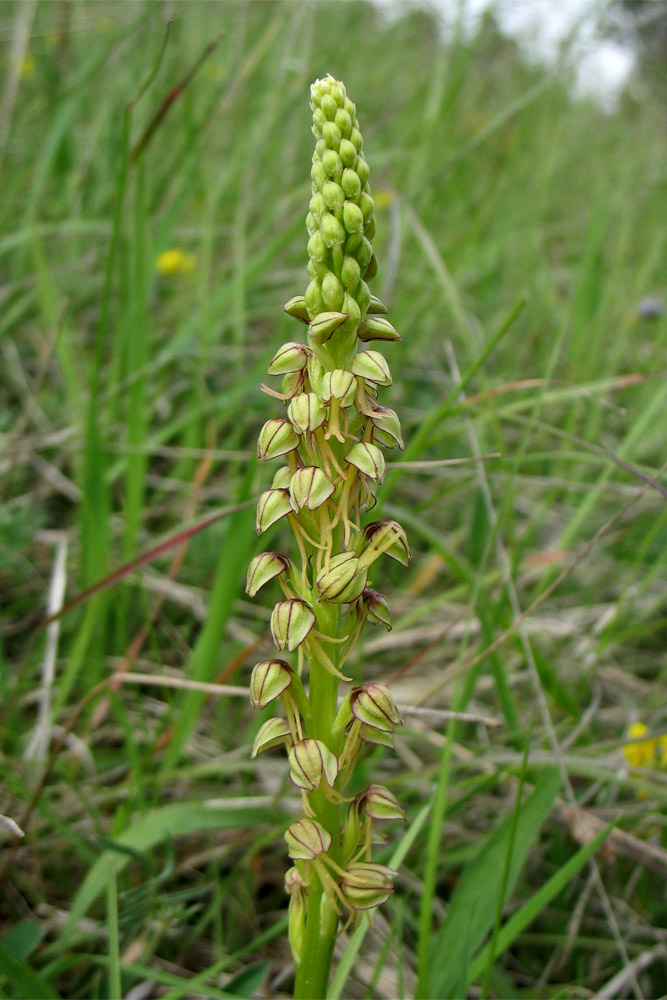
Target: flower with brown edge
{"points": [[264, 567], [368, 459], [277, 437], [271, 506], [291, 357], [372, 367], [343, 581], [367, 884], [291, 621], [268, 681], [306, 840], [377, 327], [387, 427], [296, 308], [306, 412], [373, 705], [311, 762], [378, 803], [309, 487], [376, 608], [384, 537], [270, 734]]}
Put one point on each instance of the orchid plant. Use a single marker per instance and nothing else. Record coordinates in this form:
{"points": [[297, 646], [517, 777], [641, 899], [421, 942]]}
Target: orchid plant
{"points": [[329, 443]]}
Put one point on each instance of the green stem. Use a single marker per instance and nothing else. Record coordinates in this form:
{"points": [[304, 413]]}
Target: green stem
{"points": [[312, 976]]}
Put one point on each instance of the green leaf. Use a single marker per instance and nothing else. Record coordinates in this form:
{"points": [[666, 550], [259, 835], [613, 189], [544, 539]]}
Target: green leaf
{"points": [[248, 981], [30, 984], [173, 820], [23, 937], [475, 900], [527, 913]]}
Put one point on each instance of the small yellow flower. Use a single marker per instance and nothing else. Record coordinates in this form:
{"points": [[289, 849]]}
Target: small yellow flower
{"points": [[642, 752], [27, 67], [176, 262]]}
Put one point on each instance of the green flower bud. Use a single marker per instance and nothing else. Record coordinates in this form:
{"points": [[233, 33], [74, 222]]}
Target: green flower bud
{"points": [[306, 412], [367, 884], [291, 357], [338, 384], [296, 307], [264, 567], [271, 733], [368, 459], [377, 328], [376, 306], [367, 206], [313, 296], [378, 803], [333, 292], [360, 248], [348, 155], [376, 607], [351, 184], [353, 218], [363, 297], [356, 140], [351, 307], [372, 268], [317, 248], [311, 762], [329, 106], [324, 325], [362, 168], [318, 175], [291, 621], [332, 230], [344, 122], [388, 536], [271, 506], [332, 135], [334, 197], [268, 681], [350, 273], [373, 367], [282, 478], [386, 420], [343, 582], [310, 487], [296, 924], [333, 166], [306, 840], [373, 705], [276, 438]]}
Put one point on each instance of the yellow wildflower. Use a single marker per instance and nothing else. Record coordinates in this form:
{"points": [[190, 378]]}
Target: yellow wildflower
{"points": [[27, 67], [645, 752], [176, 262]]}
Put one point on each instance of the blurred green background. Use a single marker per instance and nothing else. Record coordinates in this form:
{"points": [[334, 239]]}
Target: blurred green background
{"points": [[154, 188]]}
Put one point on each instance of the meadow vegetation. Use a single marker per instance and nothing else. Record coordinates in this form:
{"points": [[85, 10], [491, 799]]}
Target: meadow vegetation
{"points": [[154, 191]]}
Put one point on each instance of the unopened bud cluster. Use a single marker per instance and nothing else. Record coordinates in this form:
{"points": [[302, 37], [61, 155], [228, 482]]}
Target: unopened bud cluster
{"points": [[328, 442]]}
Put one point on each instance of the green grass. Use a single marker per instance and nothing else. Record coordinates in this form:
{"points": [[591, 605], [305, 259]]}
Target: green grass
{"points": [[517, 231]]}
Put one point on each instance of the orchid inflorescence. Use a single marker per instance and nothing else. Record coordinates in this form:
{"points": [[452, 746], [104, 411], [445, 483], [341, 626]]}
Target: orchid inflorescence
{"points": [[329, 441]]}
